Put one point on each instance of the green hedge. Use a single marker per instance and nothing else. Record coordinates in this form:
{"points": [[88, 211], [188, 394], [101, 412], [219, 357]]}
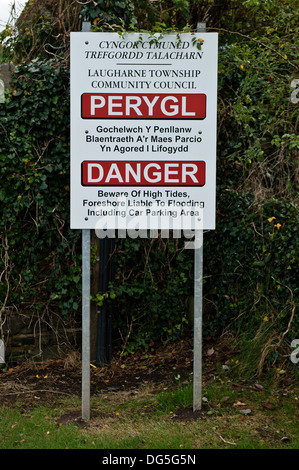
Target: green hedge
{"points": [[40, 263], [250, 260], [250, 275]]}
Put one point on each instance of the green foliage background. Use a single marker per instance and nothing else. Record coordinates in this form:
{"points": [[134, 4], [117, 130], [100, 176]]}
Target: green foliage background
{"points": [[250, 260]]}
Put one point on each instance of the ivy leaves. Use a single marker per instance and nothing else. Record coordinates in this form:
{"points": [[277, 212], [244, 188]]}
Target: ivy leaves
{"points": [[34, 169]]}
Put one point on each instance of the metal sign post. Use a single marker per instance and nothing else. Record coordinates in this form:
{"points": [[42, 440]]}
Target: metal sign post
{"points": [[197, 351], [85, 324], [198, 280]]}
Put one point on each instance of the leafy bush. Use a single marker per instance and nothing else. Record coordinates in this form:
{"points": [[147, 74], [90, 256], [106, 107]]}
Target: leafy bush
{"points": [[250, 261], [250, 273], [39, 264], [153, 281]]}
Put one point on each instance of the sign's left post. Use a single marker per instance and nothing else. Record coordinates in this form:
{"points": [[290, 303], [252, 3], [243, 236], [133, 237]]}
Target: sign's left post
{"points": [[85, 309], [85, 324]]}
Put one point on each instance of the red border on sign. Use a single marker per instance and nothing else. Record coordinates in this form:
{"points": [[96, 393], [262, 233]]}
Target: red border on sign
{"points": [[143, 106], [143, 173]]}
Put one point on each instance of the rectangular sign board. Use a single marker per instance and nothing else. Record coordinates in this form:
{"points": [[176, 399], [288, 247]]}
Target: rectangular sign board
{"points": [[143, 130]]}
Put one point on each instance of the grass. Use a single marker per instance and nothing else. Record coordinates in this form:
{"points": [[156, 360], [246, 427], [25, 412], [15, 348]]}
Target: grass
{"points": [[150, 419]]}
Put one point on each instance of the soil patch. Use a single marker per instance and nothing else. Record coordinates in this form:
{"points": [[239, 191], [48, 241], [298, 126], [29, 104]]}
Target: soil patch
{"points": [[51, 380], [165, 366], [187, 414], [72, 417]]}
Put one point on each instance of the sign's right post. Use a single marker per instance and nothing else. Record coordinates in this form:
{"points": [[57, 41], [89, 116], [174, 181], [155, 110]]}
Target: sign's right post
{"points": [[198, 280], [197, 348]]}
